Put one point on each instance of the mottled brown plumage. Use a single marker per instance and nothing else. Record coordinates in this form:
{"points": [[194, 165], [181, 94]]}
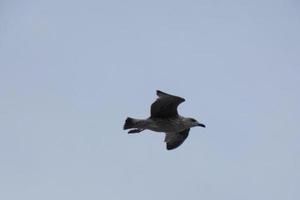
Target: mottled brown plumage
{"points": [[165, 118]]}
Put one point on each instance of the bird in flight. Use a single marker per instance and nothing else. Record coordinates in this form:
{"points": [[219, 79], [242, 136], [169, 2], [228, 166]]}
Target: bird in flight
{"points": [[164, 117]]}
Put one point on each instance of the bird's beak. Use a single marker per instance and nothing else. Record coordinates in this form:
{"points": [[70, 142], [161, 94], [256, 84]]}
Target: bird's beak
{"points": [[202, 125]]}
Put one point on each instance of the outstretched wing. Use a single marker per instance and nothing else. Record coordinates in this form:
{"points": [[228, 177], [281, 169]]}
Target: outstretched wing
{"points": [[165, 105], [174, 140]]}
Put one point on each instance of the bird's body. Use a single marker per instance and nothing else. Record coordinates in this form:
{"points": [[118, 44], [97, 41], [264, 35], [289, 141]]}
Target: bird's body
{"points": [[161, 125], [165, 118]]}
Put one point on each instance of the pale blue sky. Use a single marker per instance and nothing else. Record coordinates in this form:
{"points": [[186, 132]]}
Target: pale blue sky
{"points": [[72, 71]]}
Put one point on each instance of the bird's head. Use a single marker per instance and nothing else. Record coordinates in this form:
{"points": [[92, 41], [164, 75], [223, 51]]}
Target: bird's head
{"points": [[192, 122]]}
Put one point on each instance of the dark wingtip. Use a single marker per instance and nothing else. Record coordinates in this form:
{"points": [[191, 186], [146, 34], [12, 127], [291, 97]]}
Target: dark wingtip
{"points": [[170, 147], [173, 145], [159, 92]]}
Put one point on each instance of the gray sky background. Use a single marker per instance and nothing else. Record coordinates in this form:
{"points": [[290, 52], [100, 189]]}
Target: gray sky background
{"points": [[72, 71]]}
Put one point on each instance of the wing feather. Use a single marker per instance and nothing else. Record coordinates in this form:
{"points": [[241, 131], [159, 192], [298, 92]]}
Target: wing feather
{"points": [[165, 105], [174, 140]]}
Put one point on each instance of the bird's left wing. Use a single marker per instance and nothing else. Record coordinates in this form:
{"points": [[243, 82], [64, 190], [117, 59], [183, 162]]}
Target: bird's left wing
{"points": [[165, 105], [174, 140]]}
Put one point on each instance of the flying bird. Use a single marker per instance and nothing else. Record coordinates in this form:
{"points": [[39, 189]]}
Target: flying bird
{"points": [[164, 117]]}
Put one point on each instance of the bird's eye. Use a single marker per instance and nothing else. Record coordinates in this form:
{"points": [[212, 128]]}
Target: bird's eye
{"points": [[193, 120]]}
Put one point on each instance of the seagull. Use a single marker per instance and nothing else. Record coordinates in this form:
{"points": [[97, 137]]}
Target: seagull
{"points": [[164, 118]]}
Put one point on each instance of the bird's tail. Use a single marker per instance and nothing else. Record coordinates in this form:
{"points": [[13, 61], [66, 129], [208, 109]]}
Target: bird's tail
{"points": [[130, 123]]}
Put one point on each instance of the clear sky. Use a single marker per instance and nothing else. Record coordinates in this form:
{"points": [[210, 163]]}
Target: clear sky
{"points": [[72, 71]]}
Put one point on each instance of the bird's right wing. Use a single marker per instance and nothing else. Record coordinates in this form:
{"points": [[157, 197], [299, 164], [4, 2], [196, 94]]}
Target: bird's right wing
{"points": [[165, 105], [174, 140]]}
